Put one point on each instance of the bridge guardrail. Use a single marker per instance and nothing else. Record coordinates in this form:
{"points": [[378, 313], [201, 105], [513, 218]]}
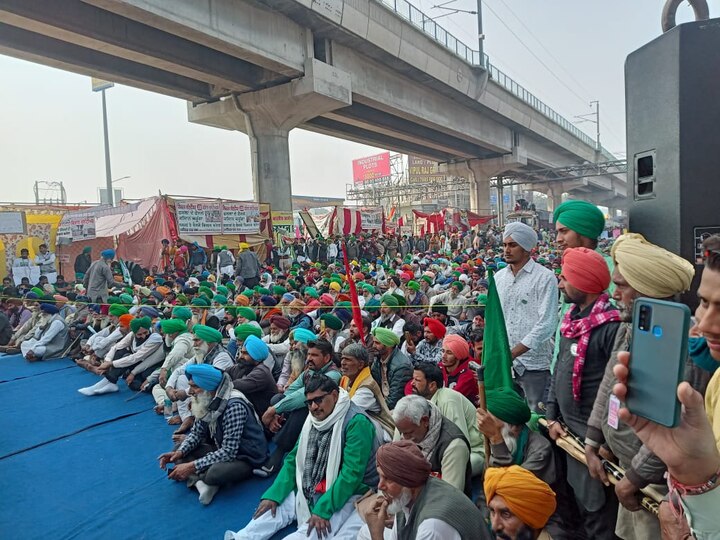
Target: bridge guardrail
{"points": [[431, 28]]}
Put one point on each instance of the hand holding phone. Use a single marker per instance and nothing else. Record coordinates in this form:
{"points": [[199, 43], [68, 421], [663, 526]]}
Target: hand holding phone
{"points": [[658, 352]]}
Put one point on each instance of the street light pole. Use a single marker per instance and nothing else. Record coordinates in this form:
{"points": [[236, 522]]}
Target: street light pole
{"points": [[481, 36], [597, 125], [108, 173]]}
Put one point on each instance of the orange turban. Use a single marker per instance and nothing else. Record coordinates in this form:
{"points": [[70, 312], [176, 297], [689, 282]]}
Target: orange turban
{"points": [[242, 300], [163, 290], [528, 497], [458, 345], [125, 320], [586, 270]]}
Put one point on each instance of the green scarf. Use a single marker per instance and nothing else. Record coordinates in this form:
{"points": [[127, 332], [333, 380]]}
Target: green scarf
{"points": [[522, 440], [700, 354]]}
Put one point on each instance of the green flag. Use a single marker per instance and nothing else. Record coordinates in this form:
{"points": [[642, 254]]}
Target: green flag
{"points": [[496, 355]]}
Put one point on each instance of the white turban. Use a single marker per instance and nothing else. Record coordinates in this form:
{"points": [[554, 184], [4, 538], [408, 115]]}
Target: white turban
{"points": [[523, 234]]}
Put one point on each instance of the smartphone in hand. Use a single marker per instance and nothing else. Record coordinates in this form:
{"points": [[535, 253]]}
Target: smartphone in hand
{"points": [[658, 352]]}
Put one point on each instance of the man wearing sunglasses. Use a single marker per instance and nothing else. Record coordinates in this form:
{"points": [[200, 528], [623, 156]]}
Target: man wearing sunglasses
{"points": [[286, 415], [330, 467]]}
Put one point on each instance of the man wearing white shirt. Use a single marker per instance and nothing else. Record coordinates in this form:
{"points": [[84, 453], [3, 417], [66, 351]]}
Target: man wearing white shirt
{"points": [[529, 296], [46, 261], [49, 338]]}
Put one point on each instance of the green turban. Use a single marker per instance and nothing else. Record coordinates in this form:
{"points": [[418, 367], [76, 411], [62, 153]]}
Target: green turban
{"points": [[173, 326], [312, 292], [248, 292], [278, 290], [400, 300], [111, 299], [369, 288], [583, 217], [372, 305], [200, 301], [230, 286], [206, 291], [458, 284], [205, 284], [427, 279], [482, 299], [246, 313], [243, 331], [508, 406], [221, 289], [118, 310], [181, 299], [331, 321], [389, 300], [141, 322], [160, 281], [414, 285], [386, 337], [220, 299], [292, 283], [38, 291], [182, 313], [263, 291], [207, 333], [125, 298]]}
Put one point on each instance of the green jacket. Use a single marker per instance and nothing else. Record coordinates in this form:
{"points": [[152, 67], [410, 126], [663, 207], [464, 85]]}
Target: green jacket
{"points": [[359, 437]]}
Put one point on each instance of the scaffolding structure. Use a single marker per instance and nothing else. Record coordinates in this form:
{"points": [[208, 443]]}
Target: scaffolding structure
{"points": [[52, 193]]}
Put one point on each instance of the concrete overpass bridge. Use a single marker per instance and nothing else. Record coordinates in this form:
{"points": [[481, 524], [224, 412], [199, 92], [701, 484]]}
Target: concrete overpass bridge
{"points": [[380, 73]]}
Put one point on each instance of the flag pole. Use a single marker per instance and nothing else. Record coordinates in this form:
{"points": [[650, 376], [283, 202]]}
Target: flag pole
{"points": [[357, 316]]}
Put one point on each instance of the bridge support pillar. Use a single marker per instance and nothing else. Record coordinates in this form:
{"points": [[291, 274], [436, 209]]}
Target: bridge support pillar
{"points": [[555, 194], [268, 115], [480, 171]]}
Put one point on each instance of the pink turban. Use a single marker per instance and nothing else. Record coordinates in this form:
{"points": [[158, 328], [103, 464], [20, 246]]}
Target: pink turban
{"points": [[458, 346], [586, 270]]}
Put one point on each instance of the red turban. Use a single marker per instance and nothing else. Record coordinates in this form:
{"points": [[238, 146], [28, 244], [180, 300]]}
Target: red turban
{"points": [[436, 327], [281, 322], [586, 270], [326, 299], [458, 346], [402, 462]]}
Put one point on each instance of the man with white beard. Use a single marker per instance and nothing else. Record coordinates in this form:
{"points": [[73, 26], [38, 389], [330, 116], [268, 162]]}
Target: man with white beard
{"points": [[180, 341], [227, 440], [278, 338], [208, 349], [294, 362], [425, 507], [511, 441], [49, 338]]}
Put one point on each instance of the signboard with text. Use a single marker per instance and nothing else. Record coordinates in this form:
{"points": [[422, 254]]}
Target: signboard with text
{"points": [[371, 168], [371, 218], [421, 170], [12, 223], [217, 217]]}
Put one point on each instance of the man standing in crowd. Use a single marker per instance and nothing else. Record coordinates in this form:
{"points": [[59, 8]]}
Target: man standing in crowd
{"points": [[45, 260], [82, 263], [529, 298], [588, 333], [99, 277], [247, 266], [641, 269]]}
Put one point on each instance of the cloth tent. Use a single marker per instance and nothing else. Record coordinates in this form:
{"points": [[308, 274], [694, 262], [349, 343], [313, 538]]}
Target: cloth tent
{"points": [[346, 220]]}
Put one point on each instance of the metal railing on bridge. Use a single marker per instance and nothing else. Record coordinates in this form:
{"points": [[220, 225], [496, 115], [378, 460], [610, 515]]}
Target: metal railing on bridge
{"points": [[421, 21]]}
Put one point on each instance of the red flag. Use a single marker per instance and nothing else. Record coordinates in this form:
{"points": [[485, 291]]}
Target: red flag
{"points": [[357, 316]]}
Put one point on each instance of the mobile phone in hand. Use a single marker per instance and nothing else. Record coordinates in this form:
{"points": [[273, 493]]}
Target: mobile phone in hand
{"points": [[658, 352]]}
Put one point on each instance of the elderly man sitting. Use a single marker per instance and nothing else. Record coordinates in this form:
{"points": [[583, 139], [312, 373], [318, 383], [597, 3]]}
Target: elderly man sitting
{"points": [[441, 442], [180, 341], [424, 507], [251, 376], [139, 347], [520, 504], [391, 368], [49, 337], [331, 466], [364, 391], [225, 443], [511, 441]]}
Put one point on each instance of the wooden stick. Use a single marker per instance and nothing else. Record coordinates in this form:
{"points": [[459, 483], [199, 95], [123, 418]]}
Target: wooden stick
{"points": [[482, 402]]}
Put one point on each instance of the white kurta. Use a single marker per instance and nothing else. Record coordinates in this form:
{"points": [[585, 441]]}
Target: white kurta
{"points": [[38, 344]]}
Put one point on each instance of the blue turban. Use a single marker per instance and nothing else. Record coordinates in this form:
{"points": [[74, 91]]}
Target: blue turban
{"points": [[288, 297], [107, 254], [205, 376], [303, 335], [269, 301], [52, 309], [256, 348], [150, 312], [524, 235], [31, 296]]}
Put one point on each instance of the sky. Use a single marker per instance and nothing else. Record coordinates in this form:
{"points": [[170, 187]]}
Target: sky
{"points": [[567, 52]]}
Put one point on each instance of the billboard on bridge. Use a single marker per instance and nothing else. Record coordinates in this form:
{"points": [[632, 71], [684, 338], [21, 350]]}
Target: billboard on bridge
{"points": [[421, 170], [371, 168]]}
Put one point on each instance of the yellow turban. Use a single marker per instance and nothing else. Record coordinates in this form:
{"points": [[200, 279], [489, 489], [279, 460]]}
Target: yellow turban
{"points": [[528, 497], [649, 269]]}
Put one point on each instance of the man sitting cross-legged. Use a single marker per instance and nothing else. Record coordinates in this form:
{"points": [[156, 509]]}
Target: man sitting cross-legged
{"points": [[331, 466], [227, 440]]}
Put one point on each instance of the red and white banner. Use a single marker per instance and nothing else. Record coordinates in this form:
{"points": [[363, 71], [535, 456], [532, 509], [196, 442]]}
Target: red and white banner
{"points": [[346, 221]]}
